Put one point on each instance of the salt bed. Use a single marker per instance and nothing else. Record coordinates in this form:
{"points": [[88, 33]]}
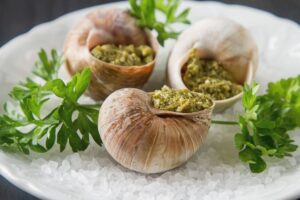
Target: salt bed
{"points": [[213, 173]]}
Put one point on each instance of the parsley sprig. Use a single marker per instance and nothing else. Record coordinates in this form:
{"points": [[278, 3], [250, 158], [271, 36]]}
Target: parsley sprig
{"points": [[25, 127], [266, 122], [145, 11]]}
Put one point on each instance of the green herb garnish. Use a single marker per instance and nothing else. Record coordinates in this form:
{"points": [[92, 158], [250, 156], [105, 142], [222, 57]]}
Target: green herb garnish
{"points": [[145, 12], [265, 125], [24, 125]]}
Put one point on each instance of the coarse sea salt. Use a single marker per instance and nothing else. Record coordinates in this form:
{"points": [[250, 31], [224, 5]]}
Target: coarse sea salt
{"points": [[213, 173]]}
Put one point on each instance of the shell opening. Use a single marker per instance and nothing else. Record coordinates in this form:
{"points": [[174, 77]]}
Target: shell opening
{"points": [[201, 72], [108, 26], [124, 55], [167, 101], [223, 40], [110, 39]]}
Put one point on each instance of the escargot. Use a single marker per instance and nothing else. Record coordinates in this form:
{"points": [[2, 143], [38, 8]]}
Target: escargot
{"points": [[219, 39], [107, 26], [149, 140]]}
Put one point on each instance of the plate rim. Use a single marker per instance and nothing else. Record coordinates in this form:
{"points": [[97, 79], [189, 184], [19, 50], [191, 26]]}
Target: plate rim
{"points": [[30, 187]]}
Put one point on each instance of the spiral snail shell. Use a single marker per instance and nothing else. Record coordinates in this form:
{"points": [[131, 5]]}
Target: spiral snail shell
{"points": [[148, 140], [220, 39], [107, 26]]}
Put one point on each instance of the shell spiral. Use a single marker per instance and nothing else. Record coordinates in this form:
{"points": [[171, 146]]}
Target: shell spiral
{"points": [[141, 139], [107, 26]]}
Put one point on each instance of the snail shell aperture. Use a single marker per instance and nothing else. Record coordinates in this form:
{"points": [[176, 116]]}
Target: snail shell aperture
{"points": [[107, 26], [148, 140], [223, 40]]}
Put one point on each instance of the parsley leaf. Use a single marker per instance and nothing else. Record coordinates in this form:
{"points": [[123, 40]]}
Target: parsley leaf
{"points": [[145, 12], [45, 68], [24, 128], [265, 124]]}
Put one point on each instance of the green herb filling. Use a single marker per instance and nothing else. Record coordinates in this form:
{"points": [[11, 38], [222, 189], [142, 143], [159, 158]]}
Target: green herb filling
{"points": [[209, 77], [184, 100], [124, 55]]}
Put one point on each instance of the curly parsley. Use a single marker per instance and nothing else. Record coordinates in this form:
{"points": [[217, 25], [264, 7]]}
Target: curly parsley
{"points": [[264, 125], [266, 122], [22, 126], [145, 12]]}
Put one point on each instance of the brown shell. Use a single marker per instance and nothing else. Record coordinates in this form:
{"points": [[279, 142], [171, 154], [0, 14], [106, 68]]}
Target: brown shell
{"points": [[107, 26], [145, 139]]}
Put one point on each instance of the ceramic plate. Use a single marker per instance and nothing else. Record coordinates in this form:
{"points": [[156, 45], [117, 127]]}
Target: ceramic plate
{"points": [[49, 177]]}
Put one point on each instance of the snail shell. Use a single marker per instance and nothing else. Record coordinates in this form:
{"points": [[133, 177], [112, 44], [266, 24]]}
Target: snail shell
{"points": [[223, 40], [107, 26], [145, 139]]}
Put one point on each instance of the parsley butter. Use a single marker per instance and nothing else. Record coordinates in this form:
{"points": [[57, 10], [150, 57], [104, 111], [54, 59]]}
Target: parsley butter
{"points": [[209, 77], [124, 55], [184, 100]]}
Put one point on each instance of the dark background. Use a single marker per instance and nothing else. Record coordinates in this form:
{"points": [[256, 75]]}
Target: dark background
{"points": [[19, 16]]}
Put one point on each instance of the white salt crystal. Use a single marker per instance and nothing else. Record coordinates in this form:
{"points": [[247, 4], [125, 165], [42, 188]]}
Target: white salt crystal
{"points": [[38, 162], [292, 161], [215, 172], [49, 168], [141, 181], [75, 160], [65, 166]]}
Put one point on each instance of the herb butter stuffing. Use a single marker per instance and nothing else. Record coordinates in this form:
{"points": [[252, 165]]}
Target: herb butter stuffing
{"points": [[209, 77], [183, 101], [124, 55]]}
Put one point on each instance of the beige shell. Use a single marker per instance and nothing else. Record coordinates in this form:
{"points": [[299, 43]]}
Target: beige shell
{"points": [[223, 40], [107, 26], [147, 140]]}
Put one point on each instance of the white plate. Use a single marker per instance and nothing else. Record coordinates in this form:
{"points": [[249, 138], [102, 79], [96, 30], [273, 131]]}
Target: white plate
{"points": [[279, 49]]}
